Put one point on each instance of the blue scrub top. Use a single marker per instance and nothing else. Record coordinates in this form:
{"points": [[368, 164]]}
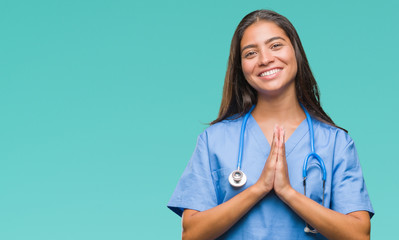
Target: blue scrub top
{"points": [[204, 183]]}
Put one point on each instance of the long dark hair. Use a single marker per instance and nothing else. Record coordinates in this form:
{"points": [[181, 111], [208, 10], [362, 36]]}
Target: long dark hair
{"points": [[238, 96]]}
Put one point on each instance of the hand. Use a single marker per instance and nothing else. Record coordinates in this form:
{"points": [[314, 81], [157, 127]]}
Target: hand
{"points": [[281, 178], [266, 179]]}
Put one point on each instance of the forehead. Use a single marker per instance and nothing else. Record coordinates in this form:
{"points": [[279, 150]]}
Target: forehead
{"points": [[260, 31]]}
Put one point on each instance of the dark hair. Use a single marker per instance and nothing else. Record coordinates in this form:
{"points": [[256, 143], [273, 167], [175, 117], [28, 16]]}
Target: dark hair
{"points": [[238, 96]]}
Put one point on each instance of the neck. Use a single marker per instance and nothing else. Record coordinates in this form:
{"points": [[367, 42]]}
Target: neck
{"points": [[279, 109]]}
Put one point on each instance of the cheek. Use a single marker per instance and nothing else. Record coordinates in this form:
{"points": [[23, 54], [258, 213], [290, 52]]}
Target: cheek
{"points": [[295, 66], [292, 56], [246, 67], [290, 59]]}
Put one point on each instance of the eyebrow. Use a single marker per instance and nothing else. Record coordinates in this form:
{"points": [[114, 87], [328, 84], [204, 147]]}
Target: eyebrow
{"points": [[266, 42]]}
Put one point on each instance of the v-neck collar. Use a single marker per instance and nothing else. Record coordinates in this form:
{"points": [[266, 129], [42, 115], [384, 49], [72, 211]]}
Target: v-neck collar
{"points": [[300, 132]]}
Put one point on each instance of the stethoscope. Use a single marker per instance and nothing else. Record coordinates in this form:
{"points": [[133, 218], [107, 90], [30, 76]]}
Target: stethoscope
{"points": [[238, 178]]}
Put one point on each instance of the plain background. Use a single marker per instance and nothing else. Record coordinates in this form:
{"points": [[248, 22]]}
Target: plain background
{"points": [[101, 103]]}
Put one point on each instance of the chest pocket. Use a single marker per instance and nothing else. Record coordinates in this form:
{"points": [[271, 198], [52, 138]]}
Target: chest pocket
{"points": [[224, 191], [314, 182]]}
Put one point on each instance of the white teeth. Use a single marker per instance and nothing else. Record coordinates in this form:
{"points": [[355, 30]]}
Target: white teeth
{"points": [[273, 71]]}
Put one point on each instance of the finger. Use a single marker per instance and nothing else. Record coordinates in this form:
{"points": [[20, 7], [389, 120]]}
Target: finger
{"points": [[281, 145], [277, 141], [281, 156], [273, 148], [279, 136], [283, 151], [274, 135], [283, 139]]}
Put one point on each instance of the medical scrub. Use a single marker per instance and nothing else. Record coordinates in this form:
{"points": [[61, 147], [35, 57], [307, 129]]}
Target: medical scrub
{"points": [[204, 183]]}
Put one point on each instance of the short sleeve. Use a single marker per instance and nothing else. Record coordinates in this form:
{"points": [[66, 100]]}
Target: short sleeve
{"points": [[349, 192], [195, 189]]}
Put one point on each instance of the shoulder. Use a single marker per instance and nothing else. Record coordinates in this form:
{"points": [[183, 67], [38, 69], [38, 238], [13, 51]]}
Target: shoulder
{"points": [[338, 142], [221, 135], [222, 128], [328, 131], [329, 134]]}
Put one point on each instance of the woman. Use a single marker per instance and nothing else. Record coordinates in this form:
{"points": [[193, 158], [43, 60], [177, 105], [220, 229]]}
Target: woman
{"points": [[268, 70]]}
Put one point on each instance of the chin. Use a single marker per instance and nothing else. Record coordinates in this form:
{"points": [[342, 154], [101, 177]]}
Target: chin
{"points": [[274, 91]]}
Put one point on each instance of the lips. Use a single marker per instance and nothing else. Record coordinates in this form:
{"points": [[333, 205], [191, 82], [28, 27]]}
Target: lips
{"points": [[269, 72]]}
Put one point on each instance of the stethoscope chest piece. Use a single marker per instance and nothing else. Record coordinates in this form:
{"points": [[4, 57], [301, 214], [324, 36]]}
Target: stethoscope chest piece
{"points": [[237, 178]]}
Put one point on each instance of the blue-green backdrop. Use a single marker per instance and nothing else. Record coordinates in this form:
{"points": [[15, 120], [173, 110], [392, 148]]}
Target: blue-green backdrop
{"points": [[101, 103]]}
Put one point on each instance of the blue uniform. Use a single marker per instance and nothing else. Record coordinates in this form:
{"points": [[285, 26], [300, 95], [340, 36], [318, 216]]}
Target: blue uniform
{"points": [[204, 183]]}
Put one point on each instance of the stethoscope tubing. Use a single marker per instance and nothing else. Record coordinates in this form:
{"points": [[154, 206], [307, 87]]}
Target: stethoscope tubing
{"points": [[312, 153], [241, 147]]}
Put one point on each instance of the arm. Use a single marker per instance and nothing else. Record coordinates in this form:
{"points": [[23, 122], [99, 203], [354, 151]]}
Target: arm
{"points": [[213, 222], [331, 224]]}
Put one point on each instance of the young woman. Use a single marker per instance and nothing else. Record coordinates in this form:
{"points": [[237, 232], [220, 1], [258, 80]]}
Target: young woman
{"points": [[270, 187]]}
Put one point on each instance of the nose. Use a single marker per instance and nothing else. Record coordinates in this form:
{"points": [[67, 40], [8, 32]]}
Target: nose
{"points": [[265, 57]]}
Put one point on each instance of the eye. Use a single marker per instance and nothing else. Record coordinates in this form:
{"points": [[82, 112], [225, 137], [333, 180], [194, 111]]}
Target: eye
{"points": [[276, 45], [249, 54]]}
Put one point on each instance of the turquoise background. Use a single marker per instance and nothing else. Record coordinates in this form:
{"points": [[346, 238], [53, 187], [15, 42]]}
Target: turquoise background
{"points": [[101, 103]]}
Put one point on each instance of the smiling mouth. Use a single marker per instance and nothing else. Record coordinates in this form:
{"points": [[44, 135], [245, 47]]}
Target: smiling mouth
{"points": [[270, 72]]}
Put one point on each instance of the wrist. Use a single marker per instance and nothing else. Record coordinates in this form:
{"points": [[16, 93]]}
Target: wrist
{"points": [[287, 194], [260, 190]]}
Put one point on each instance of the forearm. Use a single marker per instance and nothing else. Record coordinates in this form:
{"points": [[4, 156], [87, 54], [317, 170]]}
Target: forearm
{"points": [[331, 224], [212, 223]]}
